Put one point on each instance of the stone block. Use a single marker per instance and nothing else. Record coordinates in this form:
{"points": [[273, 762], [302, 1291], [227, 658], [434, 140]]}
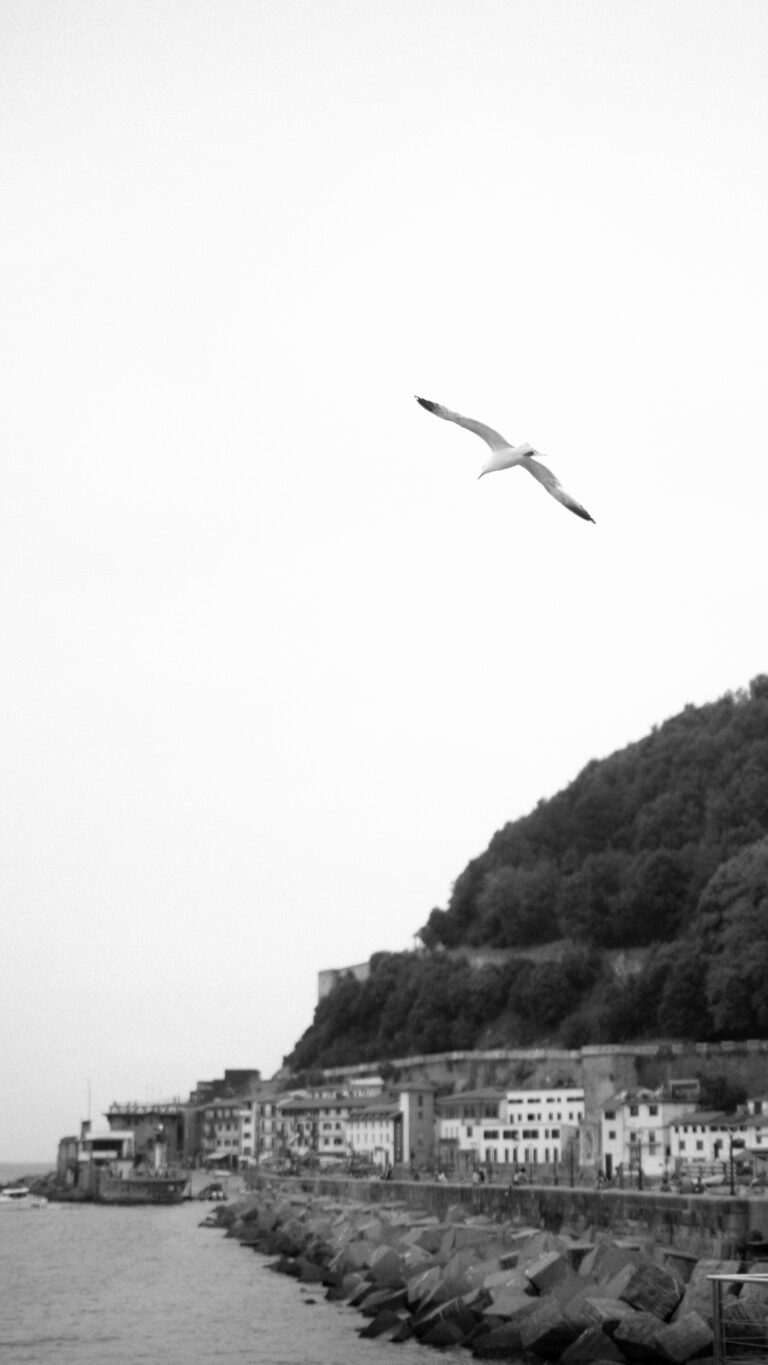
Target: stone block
{"points": [[653, 1289], [615, 1286], [387, 1321], [445, 1333], [756, 1292], [593, 1344], [379, 1299], [501, 1343], [681, 1263], [604, 1312], [607, 1260], [423, 1321], [431, 1237], [698, 1292], [507, 1280], [745, 1327], [387, 1267], [507, 1304], [689, 1335], [423, 1284], [546, 1330], [577, 1253], [548, 1270], [637, 1336]]}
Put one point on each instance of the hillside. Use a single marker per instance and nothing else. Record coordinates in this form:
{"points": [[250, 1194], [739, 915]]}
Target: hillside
{"points": [[662, 846]]}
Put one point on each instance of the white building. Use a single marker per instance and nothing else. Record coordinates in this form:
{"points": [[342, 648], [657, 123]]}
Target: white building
{"points": [[636, 1132], [541, 1124], [460, 1120], [375, 1134]]}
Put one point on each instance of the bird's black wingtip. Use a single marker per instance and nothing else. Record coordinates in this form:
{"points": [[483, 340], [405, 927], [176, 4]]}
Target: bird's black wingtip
{"points": [[425, 403]]}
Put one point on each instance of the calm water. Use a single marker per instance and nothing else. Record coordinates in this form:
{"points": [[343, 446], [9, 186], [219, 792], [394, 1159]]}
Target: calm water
{"points": [[81, 1283]]}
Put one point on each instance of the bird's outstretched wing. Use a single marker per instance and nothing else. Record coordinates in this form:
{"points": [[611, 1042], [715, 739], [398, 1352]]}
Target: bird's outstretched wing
{"points": [[491, 437], [554, 486]]}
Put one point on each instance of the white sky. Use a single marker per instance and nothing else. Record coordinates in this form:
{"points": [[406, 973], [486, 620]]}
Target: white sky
{"points": [[274, 664]]}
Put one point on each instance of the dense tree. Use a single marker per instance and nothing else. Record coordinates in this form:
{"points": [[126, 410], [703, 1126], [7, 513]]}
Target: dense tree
{"points": [[658, 853]]}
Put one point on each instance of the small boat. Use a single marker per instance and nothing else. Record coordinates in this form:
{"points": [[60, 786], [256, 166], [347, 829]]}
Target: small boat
{"points": [[20, 1197]]}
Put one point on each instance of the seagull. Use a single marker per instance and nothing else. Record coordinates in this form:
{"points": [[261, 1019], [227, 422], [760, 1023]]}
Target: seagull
{"points": [[505, 456]]}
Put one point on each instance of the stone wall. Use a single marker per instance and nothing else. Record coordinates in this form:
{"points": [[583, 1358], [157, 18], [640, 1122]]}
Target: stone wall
{"points": [[700, 1225], [601, 1070]]}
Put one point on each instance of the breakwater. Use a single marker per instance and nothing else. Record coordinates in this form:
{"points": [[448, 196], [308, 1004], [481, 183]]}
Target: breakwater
{"points": [[420, 1262]]}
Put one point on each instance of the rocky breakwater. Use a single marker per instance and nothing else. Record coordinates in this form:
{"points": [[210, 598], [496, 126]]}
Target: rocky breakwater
{"points": [[500, 1290]]}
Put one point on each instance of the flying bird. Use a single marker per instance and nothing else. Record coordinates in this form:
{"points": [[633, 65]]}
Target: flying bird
{"points": [[505, 456]]}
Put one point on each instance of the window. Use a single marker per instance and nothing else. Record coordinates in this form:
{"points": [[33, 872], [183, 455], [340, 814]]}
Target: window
{"points": [[653, 1108], [634, 1111], [610, 1113], [490, 1133], [612, 1135]]}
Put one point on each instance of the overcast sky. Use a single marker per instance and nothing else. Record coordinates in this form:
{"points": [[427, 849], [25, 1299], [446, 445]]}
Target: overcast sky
{"points": [[275, 664]]}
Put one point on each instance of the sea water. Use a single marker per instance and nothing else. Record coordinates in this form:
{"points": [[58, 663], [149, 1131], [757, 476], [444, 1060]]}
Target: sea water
{"points": [[82, 1283]]}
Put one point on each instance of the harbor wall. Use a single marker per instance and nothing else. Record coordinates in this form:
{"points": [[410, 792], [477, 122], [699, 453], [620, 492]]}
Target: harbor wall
{"points": [[697, 1225]]}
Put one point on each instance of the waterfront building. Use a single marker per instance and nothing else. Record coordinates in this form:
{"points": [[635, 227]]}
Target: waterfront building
{"points": [[221, 1132], [148, 1122], [704, 1143], [375, 1134], [637, 1132], [541, 1125], [461, 1120], [312, 1128]]}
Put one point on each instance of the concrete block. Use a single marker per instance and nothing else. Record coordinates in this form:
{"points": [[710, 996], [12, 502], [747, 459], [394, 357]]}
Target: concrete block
{"points": [[547, 1330], [689, 1335], [605, 1312], [508, 1303], [637, 1336], [387, 1267], [547, 1270], [756, 1292], [615, 1286], [593, 1344], [501, 1343], [420, 1286], [445, 1333], [698, 1292], [385, 1322], [653, 1289]]}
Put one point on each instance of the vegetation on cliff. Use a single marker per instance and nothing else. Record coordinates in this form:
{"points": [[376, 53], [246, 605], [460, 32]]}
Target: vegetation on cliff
{"points": [[662, 847]]}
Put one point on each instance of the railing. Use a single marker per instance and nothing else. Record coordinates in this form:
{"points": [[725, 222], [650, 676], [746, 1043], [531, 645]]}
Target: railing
{"points": [[739, 1326]]}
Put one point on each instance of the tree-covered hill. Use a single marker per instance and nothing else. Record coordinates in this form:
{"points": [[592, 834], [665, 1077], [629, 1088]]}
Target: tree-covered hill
{"points": [[661, 846]]}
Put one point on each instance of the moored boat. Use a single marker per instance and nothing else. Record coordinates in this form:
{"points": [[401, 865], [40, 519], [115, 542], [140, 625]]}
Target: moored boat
{"points": [[20, 1197]]}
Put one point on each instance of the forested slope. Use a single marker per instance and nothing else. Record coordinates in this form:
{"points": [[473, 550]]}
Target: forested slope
{"points": [[663, 845]]}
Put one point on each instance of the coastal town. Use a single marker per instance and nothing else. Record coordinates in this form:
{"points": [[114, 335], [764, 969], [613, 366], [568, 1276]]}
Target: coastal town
{"points": [[572, 1126]]}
